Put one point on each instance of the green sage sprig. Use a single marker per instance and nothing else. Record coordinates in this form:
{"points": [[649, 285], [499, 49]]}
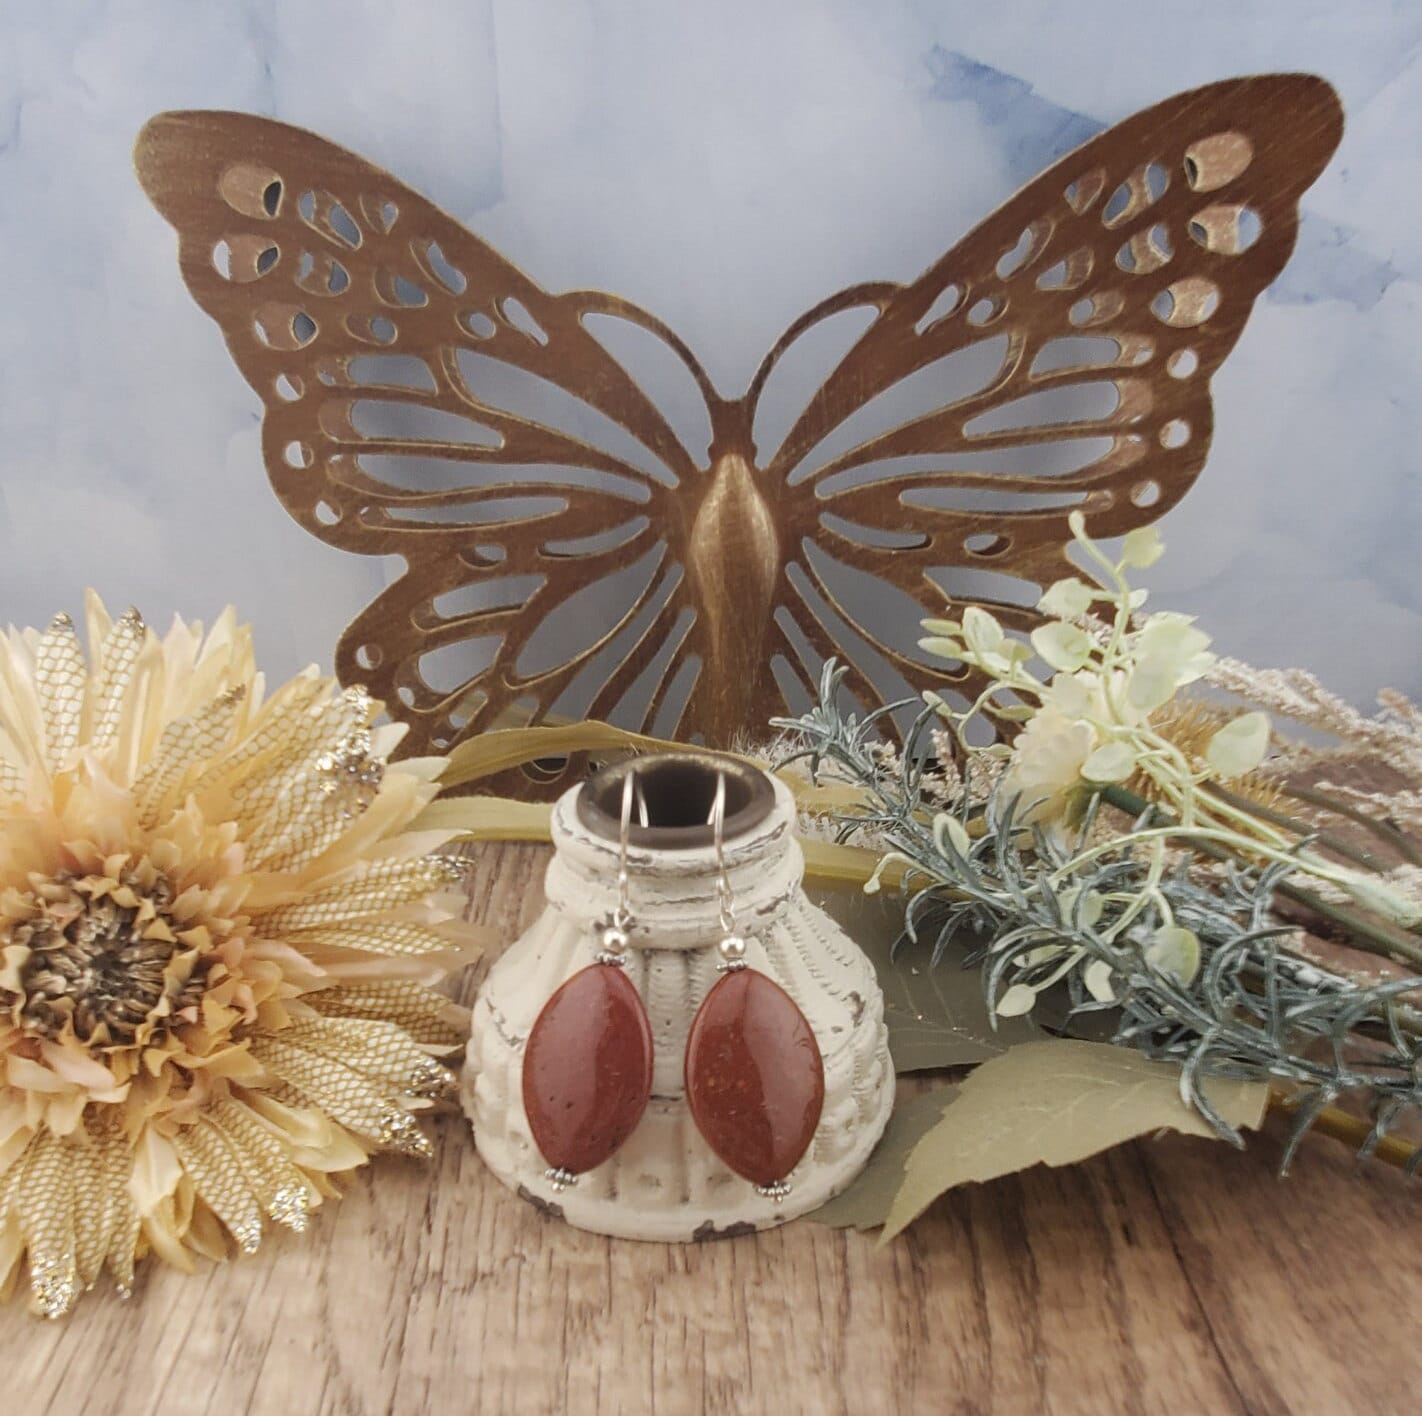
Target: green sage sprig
{"points": [[1198, 973]]}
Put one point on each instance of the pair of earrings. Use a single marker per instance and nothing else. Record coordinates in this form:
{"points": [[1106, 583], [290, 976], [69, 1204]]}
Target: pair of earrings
{"points": [[753, 1071]]}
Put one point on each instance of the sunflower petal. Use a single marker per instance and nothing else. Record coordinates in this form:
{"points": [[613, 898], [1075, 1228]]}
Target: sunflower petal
{"points": [[221, 1182], [426, 1014], [44, 1201], [408, 940], [380, 889], [118, 662], [186, 742], [282, 1190], [345, 1095], [377, 1049], [61, 677], [91, 1207]]}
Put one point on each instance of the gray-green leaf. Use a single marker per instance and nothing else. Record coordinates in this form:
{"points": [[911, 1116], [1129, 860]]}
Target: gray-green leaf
{"points": [[936, 1013]]}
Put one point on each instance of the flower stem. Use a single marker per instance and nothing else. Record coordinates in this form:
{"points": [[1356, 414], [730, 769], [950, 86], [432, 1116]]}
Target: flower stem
{"points": [[1302, 828], [1389, 834], [1380, 936], [1376, 936], [1343, 1126]]}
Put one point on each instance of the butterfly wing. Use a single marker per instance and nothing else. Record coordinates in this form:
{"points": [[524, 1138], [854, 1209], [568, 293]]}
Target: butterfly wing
{"points": [[1059, 356], [407, 371], [424, 397]]}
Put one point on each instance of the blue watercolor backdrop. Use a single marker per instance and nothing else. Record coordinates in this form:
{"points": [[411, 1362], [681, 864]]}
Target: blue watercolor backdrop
{"points": [[725, 165]]}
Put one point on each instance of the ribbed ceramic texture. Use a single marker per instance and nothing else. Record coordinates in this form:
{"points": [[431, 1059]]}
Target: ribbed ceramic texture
{"points": [[665, 1183]]}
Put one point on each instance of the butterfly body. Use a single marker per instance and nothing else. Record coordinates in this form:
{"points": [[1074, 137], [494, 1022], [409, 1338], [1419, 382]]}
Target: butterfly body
{"points": [[570, 553], [734, 565]]}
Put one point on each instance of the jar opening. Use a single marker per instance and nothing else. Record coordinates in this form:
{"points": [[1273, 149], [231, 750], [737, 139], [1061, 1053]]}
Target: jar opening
{"points": [[678, 789]]}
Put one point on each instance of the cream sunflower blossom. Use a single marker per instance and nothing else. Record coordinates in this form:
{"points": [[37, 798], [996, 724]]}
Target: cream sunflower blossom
{"points": [[219, 940]]}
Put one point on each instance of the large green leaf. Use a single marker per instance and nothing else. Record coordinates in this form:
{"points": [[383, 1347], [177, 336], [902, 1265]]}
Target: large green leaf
{"points": [[1055, 1103]]}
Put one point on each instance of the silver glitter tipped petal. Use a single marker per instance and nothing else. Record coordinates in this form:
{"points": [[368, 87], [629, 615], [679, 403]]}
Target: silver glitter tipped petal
{"points": [[430, 1079], [55, 1285], [451, 870], [248, 1234], [350, 776], [359, 699], [400, 1131], [291, 1206]]}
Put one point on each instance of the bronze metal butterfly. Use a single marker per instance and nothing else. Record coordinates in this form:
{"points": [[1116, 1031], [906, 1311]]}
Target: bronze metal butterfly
{"points": [[425, 398]]}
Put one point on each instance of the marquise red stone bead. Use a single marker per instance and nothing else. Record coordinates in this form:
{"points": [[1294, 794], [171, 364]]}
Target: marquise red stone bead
{"points": [[755, 1082], [587, 1069]]}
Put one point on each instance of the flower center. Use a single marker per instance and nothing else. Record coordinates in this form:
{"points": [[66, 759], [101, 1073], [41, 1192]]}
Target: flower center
{"points": [[103, 957]]}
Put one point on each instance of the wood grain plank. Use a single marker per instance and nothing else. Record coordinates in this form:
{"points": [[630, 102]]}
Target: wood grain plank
{"points": [[1166, 1276]]}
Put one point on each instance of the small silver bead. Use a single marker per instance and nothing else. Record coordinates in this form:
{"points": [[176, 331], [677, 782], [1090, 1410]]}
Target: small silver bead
{"points": [[614, 940], [732, 948]]}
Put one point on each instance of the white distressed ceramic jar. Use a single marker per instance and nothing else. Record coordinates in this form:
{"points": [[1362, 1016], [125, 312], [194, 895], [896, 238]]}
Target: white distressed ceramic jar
{"points": [[665, 1183]]}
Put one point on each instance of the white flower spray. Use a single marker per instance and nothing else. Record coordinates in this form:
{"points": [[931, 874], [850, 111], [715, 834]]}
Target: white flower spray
{"points": [[1089, 724]]}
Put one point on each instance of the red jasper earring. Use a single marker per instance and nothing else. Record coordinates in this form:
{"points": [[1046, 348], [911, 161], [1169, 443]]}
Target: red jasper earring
{"points": [[755, 1082], [587, 1066]]}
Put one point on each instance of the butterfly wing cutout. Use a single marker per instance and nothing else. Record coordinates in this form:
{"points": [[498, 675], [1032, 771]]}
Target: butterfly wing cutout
{"points": [[408, 372], [1059, 356], [568, 553]]}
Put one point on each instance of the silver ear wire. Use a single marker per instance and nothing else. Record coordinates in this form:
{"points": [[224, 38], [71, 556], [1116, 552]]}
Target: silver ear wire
{"points": [[615, 939], [560, 1085], [732, 947]]}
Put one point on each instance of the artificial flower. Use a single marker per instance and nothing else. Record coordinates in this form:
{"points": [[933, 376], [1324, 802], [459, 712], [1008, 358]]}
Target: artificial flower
{"points": [[218, 946], [1045, 772], [1093, 722], [1110, 723], [1066, 749]]}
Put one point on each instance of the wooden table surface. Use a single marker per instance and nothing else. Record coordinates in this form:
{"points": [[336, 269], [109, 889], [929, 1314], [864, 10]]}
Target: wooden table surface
{"points": [[1167, 1276]]}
